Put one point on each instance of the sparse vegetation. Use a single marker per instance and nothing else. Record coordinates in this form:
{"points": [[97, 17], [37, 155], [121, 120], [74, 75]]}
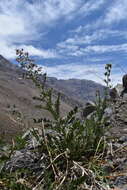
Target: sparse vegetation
{"points": [[75, 147]]}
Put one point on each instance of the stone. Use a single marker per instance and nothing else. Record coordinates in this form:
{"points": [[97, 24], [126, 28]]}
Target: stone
{"points": [[89, 108], [113, 94], [122, 139], [30, 157], [119, 88], [26, 159], [121, 180], [125, 96], [108, 112]]}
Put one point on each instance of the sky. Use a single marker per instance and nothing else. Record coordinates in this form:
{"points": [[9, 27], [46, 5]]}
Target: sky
{"points": [[69, 38]]}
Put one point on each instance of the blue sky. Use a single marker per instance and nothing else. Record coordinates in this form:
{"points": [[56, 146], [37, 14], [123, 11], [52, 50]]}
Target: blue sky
{"points": [[70, 38]]}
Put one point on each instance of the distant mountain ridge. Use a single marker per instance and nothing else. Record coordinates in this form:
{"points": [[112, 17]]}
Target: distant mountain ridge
{"points": [[78, 89]]}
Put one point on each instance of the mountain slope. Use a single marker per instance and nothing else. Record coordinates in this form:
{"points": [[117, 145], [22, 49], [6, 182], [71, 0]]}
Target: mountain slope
{"points": [[16, 100]]}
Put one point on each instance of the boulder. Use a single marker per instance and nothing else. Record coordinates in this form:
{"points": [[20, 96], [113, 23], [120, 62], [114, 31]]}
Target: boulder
{"points": [[30, 157], [89, 108], [119, 88], [26, 159]]}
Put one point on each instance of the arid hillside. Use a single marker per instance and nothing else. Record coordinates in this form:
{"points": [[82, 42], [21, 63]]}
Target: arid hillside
{"points": [[17, 107]]}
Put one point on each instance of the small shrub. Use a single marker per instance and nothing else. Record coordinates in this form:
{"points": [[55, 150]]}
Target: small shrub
{"points": [[70, 137]]}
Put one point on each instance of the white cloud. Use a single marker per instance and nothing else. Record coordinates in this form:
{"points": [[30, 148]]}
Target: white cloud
{"points": [[114, 13], [117, 12], [18, 26], [22, 21], [74, 70], [98, 49], [90, 6], [24, 17], [8, 51], [81, 37], [94, 72], [39, 52], [41, 13], [7, 27], [82, 43], [47, 12], [106, 48]]}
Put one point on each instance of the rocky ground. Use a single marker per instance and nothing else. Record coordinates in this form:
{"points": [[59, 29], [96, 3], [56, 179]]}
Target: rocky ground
{"points": [[118, 152], [114, 163]]}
